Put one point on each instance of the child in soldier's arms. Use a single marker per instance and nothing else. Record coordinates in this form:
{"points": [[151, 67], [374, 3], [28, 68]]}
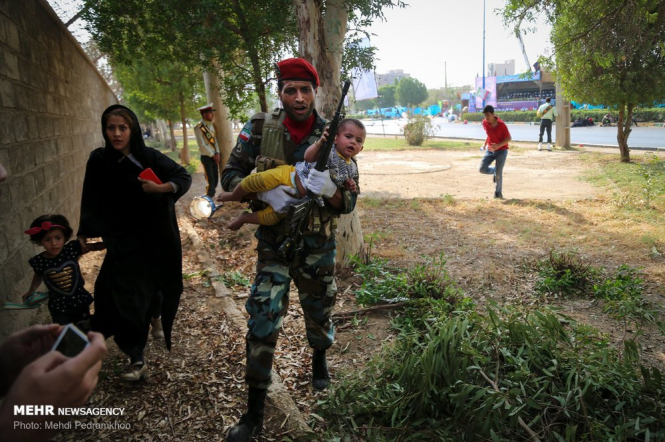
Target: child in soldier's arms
{"points": [[349, 142]]}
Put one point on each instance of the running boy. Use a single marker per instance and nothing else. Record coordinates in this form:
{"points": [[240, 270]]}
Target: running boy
{"points": [[498, 137], [342, 165], [57, 266]]}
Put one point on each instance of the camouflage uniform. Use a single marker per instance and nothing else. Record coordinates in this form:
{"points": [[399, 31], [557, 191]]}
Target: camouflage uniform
{"points": [[311, 269]]}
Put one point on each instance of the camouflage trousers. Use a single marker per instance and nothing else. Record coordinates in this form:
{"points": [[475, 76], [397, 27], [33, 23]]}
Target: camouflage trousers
{"points": [[312, 272]]}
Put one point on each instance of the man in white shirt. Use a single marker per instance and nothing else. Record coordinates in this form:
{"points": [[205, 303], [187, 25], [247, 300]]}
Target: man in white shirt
{"points": [[547, 112], [208, 148]]}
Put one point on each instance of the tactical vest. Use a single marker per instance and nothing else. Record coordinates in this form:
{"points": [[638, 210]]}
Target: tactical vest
{"points": [[274, 153]]}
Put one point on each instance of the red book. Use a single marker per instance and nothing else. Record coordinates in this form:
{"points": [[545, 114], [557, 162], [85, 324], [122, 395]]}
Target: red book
{"points": [[149, 175]]}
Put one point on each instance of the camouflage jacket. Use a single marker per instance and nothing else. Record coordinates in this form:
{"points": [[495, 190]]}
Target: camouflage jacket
{"points": [[253, 147]]}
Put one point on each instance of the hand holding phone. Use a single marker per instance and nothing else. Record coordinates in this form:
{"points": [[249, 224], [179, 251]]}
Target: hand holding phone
{"points": [[71, 341]]}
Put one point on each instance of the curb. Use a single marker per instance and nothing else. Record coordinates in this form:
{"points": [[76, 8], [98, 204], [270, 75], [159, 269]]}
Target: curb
{"points": [[278, 395]]}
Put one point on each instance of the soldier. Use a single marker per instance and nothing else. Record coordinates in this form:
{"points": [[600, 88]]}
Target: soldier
{"points": [[208, 148], [269, 140]]}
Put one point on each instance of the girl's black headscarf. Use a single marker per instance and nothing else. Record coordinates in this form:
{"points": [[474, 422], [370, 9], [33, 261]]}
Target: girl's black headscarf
{"points": [[136, 144]]}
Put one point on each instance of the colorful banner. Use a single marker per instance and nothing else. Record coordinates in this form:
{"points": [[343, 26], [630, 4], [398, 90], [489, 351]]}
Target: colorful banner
{"points": [[490, 88], [517, 77], [517, 106]]}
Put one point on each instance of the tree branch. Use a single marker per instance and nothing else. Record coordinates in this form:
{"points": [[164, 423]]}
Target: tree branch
{"points": [[351, 314]]}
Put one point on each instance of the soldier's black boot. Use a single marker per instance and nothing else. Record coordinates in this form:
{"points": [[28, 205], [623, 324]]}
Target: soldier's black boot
{"points": [[320, 375], [251, 423]]}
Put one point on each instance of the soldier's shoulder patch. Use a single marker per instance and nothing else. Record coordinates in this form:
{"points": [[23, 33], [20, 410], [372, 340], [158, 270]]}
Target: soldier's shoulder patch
{"points": [[245, 134]]}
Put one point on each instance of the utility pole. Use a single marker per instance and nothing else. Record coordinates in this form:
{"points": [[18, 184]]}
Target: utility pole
{"points": [[445, 76], [483, 54]]}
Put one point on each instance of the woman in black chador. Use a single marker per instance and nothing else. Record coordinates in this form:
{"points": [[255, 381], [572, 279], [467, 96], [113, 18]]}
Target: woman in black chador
{"points": [[141, 277]]}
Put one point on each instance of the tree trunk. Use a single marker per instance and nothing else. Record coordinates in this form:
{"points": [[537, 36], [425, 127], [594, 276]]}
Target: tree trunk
{"points": [[349, 238], [160, 134], [321, 42], [623, 130], [184, 153], [172, 132], [223, 126]]}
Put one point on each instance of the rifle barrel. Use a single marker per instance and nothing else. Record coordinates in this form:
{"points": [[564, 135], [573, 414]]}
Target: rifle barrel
{"points": [[332, 130]]}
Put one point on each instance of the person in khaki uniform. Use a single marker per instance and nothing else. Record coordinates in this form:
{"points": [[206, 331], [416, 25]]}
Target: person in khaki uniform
{"points": [[208, 148], [266, 141]]}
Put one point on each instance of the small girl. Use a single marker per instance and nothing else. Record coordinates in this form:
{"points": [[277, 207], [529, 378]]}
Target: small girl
{"points": [[57, 266]]}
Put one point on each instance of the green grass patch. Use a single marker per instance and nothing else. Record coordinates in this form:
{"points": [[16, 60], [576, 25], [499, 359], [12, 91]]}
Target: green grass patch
{"points": [[638, 185], [392, 144]]}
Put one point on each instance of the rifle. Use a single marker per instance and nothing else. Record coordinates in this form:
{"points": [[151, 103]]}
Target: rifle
{"points": [[299, 213]]}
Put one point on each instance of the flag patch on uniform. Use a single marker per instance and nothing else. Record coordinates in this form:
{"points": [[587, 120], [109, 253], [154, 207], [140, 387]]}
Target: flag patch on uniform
{"points": [[244, 135]]}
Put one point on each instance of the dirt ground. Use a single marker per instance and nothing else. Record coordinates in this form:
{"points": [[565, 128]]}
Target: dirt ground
{"points": [[196, 391], [528, 174]]}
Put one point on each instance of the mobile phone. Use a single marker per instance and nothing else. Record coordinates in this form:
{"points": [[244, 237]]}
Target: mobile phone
{"points": [[148, 174], [71, 341]]}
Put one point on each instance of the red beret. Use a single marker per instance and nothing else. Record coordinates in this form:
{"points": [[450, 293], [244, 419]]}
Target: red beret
{"points": [[297, 69]]}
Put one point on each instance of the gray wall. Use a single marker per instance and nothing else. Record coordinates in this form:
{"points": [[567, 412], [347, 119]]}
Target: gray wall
{"points": [[51, 99]]}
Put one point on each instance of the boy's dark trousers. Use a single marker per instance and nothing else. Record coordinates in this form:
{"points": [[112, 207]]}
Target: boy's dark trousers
{"points": [[545, 124], [211, 171]]}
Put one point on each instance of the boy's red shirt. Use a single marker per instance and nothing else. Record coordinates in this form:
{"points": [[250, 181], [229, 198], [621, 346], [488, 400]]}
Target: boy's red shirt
{"points": [[497, 133]]}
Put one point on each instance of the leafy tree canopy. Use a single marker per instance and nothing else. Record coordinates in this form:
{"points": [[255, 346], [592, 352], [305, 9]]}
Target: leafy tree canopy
{"points": [[609, 52], [410, 92], [387, 96], [156, 90]]}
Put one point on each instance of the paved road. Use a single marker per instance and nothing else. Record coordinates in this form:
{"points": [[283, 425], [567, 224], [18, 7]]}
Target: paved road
{"points": [[645, 137]]}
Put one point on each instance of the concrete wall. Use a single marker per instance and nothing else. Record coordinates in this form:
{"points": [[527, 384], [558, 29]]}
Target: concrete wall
{"points": [[51, 99]]}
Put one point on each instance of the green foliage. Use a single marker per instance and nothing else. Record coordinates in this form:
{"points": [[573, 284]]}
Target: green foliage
{"points": [[638, 187], [158, 89], [235, 278], [641, 115], [465, 376], [387, 96], [607, 52], [624, 298], [410, 92], [564, 273], [418, 129], [381, 283], [652, 170], [244, 38], [431, 280]]}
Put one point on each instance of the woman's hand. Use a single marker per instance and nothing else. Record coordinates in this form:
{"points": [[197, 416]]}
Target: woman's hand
{"points": [[83, 240], [153, 187]]}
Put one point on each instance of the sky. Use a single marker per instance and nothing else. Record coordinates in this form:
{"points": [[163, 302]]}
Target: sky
{"points": [[430, 37], [425, 39]]}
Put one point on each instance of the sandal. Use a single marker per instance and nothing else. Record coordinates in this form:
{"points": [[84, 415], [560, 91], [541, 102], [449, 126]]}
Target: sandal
{"points": [[135, 372]]}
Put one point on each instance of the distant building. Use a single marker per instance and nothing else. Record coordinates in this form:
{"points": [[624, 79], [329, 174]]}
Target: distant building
{"points": [[501, 69], [390, 77]]}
